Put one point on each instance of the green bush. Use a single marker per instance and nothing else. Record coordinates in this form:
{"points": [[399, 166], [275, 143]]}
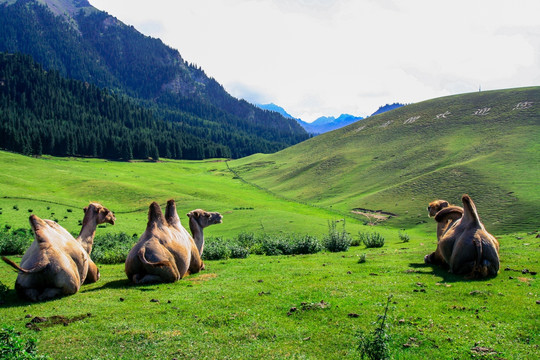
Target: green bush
{"points": [[404, 237], [238, 251], [361, 258], [372, 240], [112, 248], [336, 241], [15, 242], [375, 345], [13, 346], [276, 245], [216, 249], [306, 244]]}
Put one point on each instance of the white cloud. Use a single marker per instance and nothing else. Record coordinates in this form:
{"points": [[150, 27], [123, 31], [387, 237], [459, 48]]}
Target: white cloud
{"points": [[328, 57]]}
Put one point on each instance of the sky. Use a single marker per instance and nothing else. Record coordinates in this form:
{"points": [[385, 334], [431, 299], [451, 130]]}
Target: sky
{"points": [[329, 57]]}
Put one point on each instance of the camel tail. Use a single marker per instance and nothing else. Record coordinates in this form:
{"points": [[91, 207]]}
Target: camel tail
{"points": [[35, 269], [470, 215], [143, 259], [155, 216]]}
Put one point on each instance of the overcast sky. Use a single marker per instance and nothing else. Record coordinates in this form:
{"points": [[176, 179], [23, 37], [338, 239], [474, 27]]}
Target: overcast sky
{"points": [[328, 57]]}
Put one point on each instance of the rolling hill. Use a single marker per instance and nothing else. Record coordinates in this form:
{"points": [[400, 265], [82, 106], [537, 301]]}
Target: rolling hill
{"points": [[391, 165]]}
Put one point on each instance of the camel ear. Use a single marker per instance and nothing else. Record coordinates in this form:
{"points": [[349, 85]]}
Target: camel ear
{"points": [[445, 204], [85, 209]]}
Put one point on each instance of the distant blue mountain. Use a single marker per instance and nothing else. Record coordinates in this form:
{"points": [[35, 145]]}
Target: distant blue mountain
{"points": [[386, 108], [319, 126], [276, 108]]}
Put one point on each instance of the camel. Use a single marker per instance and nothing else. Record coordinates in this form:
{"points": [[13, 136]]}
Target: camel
{"points": [[166, 252], [56, 263], [447, 218], [464, 244]]}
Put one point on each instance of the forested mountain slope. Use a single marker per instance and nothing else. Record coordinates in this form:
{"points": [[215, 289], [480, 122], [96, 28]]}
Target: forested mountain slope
{"points": [[83, 43]]}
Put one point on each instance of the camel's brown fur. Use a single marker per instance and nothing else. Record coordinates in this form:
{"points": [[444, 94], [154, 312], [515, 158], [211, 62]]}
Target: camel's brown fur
{"points": [[166, 252], [463, 242], [56, 263]]}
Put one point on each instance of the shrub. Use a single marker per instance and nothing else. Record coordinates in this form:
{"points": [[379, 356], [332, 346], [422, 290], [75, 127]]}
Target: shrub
{"points": [[361, 258], [13, 346], [372, 240], [306, 244], [15, 242], [404, 237], [238, 251], [337, 241], [3, 291], [112, 248], [247, 240], [276, 245], [374, 346], [216, 249]]}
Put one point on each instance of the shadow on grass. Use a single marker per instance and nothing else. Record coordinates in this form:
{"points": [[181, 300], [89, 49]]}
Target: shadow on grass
{"points": [[435, 270], [123, 284], [443, 273]]}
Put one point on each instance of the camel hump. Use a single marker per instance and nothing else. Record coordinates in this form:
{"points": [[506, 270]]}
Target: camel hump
{"points": [[155, 216], [452, 212], [141, 255], [470, 215], [170, 213], [38, 225], [39, 267]]}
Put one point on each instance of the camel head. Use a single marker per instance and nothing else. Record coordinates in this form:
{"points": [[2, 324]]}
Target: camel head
{"points": [[205, 218], [435, 206], [102, 214]]}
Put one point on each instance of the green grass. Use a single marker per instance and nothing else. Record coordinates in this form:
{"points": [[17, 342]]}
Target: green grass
{"points": [[239, 308], [400, 168], [52, 187]]}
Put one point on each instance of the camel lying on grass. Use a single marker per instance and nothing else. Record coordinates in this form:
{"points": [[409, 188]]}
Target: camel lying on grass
{"points": [[166, 252], [463, 243], [56, 263]]}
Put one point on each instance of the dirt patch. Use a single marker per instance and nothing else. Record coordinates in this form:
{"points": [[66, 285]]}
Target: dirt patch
{"points": [[203, 277], [39, 322]]}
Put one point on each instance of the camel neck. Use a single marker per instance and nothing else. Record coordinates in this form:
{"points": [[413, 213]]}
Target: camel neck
{"points": [[197, 233], [88, 231]]}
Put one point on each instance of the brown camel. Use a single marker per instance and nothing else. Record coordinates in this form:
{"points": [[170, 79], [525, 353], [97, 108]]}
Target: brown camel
{"points": [[464, 244], [166, 252], [448, 217], [56, 263]]}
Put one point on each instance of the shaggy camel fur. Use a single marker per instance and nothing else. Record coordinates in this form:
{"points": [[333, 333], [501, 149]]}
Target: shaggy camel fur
{"points": [[166, 252], [56, 263], [464, 244]]}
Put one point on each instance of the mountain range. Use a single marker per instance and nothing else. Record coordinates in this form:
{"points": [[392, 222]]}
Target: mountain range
{"points": [[89, 45], [327, 123]]}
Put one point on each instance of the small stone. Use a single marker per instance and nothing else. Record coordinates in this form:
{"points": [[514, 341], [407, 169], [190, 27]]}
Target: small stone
{"points": [[353, 315], [122, 299], [154, 300]]}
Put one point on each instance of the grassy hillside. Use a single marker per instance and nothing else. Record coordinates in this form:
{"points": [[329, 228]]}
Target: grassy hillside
{"points": [[484, 144], [59, 188]]}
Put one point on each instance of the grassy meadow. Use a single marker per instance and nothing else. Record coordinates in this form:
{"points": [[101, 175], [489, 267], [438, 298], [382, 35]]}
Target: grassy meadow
{"points": [[316, 306]]}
